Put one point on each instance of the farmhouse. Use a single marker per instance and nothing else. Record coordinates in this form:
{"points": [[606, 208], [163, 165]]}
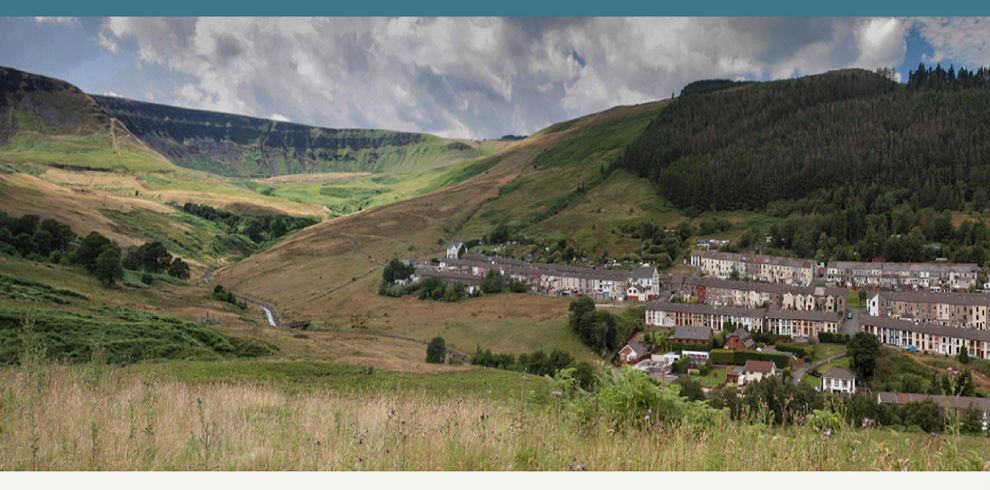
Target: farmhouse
{"points": [[756, 370], [633, 353], [739, 340], [838, 380], [454, 250]]}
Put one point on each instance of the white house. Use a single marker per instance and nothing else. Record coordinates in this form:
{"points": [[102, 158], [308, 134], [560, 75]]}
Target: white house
{"points": [[454, 249], [838, 380], [670, 357]]}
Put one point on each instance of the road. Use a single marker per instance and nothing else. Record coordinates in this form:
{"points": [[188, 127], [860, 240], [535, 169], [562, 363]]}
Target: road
{"points": [[797, 375], [851, 326]]}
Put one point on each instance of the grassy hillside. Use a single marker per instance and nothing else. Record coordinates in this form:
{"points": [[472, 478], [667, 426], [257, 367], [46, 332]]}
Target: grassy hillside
{"points": [[232, 145]]}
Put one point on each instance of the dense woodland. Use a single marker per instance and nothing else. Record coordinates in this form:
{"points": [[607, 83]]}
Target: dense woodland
{"points": [[743, 149], [854, 165]]}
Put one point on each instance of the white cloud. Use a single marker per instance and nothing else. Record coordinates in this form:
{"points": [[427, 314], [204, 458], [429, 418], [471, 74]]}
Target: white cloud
{"points": [[478, 77], [963, 39], [62, 21], [111, 94], [106, 42], [881, 43], [278, 117]]}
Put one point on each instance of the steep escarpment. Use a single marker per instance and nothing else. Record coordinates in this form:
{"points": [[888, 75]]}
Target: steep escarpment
{"points": [[235, 145]]}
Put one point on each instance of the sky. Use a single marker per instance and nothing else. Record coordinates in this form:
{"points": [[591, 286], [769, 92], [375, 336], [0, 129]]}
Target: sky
{"points": [[459, 77]]}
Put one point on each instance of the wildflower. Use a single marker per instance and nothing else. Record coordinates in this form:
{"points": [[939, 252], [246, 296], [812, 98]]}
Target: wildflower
{"points": [[828, 432], [556, 393], [525, 378], [649, 411]]}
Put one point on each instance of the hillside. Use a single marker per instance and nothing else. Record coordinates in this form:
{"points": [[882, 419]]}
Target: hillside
{"points": [[234, 145], [762, 142], [329, 273]]}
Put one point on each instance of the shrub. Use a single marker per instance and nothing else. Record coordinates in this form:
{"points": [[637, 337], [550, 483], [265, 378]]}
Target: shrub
{"points": [[436, 352], [147, 278]]}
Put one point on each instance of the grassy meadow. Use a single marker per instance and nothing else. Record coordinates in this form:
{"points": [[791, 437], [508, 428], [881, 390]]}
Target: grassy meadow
{"points": [[156, 417]]}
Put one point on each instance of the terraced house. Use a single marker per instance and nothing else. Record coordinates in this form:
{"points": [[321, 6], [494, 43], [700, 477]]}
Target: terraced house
{"points": [[661, 314], [928, 337], [764, 268], [746, 294], [806, 324], [639, 284], [902, 276], [962, 310]]}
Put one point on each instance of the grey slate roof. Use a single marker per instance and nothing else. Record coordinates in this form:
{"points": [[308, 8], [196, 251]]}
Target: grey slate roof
{"points": [[691, 333]]}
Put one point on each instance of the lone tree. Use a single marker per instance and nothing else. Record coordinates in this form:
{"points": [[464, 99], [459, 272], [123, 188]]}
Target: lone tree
{"points": [[963, 356], [863, 350], [436, 352], [108, 269], [492, 283], [179, 269], [156, 257]]}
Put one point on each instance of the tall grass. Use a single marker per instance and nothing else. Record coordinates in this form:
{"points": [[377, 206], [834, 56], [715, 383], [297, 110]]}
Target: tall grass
{"points": [[140, 421]]}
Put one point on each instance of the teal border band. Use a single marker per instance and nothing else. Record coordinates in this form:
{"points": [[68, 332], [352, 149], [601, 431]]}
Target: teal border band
{"points": [[515, 8]]}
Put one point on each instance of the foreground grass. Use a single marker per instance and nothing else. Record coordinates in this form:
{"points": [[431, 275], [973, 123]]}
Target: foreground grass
{"points": [[61, 418]]}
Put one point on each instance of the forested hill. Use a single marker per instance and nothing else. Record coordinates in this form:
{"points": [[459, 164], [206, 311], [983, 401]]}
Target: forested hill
{"points": [[744, 148], [235, 145]]}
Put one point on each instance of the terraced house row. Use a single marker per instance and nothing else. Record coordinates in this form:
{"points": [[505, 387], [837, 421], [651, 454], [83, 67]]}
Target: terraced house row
{"points": [[746, 294], [763, 268], [928, 337], [902, 276], [960, 310], [638, 284], [799, 324]]}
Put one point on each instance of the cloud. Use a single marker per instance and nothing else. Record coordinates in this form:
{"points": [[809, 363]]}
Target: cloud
{"points": [[278, 117], [961, 39], [62, 21], [477, 77], [881, 43]]}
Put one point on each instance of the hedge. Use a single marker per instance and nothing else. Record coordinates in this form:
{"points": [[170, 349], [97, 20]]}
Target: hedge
{"points": [[680, 366], [797, 350], [739, 357], [680, 346], [721, 356], [836, 338]]}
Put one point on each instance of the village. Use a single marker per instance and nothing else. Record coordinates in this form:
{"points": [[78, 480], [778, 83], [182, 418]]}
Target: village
{"points": [[740, 317]]}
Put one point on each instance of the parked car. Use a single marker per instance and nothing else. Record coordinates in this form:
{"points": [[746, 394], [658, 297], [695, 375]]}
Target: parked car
{"points": [[849, 315]]}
